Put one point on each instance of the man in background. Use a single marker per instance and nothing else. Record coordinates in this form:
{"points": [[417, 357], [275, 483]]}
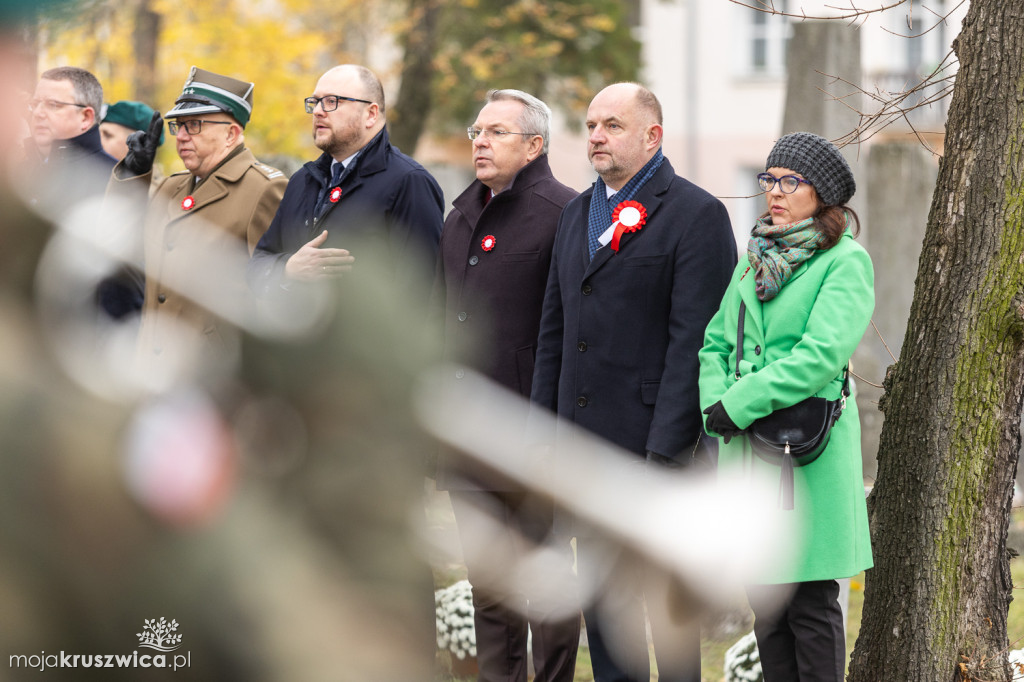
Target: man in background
{"points": [[64, 123], [120, 120]]}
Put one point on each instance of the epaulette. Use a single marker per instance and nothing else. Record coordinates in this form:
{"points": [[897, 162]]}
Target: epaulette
{"points": [[269, 172]]}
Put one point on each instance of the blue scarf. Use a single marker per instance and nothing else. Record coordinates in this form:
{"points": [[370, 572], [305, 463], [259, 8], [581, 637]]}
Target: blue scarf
{"points": [[601, 209]]}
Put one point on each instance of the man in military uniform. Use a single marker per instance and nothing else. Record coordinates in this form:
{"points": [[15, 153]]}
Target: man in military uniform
{"points": [[201, 224]]}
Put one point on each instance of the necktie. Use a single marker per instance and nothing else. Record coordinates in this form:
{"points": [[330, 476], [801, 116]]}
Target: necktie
{"points": [[336, 171]]}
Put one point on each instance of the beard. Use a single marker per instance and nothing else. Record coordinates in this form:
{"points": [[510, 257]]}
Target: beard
{"points": [[339, 144]]}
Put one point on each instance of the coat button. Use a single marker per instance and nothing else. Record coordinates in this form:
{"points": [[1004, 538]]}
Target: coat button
{"points": [[463, 316], [587, 289], [459, 373], [757, 350], [582, 401], [473, 260], [161, 298], [581, 346]]}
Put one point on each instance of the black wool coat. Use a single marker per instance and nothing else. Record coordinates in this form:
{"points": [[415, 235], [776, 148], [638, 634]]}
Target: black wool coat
{"points": [[492, 291], [619, 335]]}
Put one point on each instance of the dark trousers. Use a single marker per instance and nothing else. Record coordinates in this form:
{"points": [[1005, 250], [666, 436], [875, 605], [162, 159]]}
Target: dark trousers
{"points": [[493, 546], [799, 631], [616, 625]]}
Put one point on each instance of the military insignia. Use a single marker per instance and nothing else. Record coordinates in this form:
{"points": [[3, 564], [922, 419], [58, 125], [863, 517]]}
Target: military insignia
{"points": [[335, 195], [188, 203], [488, 243]]}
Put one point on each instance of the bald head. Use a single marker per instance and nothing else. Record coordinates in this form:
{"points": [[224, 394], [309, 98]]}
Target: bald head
{"points": [[640, 96], [624, 125], [368, 84], [358, 116]]}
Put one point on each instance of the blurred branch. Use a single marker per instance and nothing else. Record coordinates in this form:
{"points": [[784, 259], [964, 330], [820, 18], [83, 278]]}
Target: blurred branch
{"points": [[893, 106]]}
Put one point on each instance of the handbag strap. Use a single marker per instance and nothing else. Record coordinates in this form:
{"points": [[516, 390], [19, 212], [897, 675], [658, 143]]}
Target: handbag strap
{"points": [[739, 356]]}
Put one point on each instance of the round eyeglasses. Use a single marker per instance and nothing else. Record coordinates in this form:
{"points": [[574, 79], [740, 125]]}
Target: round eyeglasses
{"points": [[192, 126], [787, 183], [329, 102]]}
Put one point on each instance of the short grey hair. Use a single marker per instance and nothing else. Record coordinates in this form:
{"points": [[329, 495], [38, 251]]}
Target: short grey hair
{"points": [[88, 91], [536, 116]]}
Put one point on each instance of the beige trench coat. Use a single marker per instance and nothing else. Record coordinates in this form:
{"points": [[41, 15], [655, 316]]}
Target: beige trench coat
{"points": [[196, 247]]}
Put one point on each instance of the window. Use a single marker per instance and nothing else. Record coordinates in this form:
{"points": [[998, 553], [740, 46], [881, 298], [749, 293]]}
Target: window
{"points": [[765, 52]]}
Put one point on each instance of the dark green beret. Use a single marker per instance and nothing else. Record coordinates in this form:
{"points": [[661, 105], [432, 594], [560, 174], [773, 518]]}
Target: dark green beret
{"points": [[134, 115]]}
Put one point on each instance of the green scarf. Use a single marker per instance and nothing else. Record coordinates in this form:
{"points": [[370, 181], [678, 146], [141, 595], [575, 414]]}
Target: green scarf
{"points": [[775, 251]]}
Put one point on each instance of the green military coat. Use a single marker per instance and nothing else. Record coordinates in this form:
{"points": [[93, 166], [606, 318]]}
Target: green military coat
{"points": [[795, 346]]}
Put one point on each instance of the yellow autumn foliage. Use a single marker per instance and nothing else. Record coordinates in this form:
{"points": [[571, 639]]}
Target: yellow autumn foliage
{"points": [[281, 45]]}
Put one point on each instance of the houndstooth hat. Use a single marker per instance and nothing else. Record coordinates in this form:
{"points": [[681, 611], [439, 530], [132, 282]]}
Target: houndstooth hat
{"points": [[819, 161]]}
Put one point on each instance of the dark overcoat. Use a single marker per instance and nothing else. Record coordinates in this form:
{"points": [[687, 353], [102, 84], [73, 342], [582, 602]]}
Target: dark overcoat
{"points": [[386, 197], [493, 292], [619, 335]]}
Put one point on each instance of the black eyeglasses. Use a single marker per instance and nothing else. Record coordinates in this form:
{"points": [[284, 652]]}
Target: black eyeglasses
{"points": [[192, 126], [52, 105], [787, 183], [329, 102], [492, 133]]}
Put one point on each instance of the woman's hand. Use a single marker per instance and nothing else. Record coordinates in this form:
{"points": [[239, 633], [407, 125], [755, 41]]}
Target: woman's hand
{"points": [[719, 422]]}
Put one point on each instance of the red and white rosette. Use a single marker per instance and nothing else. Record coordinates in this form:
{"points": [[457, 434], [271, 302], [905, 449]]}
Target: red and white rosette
{"points": [[188, 203], [335, 195], [488, 243], [629, 216]]}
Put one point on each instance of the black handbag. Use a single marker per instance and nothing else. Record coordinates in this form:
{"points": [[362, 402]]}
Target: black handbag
{"points": [[793, 436]]}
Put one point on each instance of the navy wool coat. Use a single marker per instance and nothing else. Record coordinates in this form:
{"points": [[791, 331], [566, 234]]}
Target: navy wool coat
{"points": [[387, 197], [619, 335]]}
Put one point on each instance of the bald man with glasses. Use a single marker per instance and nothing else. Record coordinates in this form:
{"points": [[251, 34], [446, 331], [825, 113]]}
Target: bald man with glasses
{"points": [[360, 189]]}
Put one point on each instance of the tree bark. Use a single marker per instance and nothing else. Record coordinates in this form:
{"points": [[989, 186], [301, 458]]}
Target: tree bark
{"points": [[145, 39], [408, 119], [936, 602]]}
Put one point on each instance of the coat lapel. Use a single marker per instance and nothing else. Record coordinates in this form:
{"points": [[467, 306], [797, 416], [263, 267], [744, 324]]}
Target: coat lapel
{"points": [[649, 196], [755, 309], [211, 190]]}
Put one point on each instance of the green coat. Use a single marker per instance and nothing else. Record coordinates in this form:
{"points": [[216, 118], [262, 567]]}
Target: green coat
{"points": [[796, 346]]}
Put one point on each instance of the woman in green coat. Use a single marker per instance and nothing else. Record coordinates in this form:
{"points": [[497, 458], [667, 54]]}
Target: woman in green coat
{"points": [[807, 287]]}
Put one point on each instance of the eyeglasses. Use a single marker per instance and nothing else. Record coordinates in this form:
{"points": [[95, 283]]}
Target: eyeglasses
{"points": [[192, 126], [474, 133], [329, 102], [52, 105], [787, 183]]}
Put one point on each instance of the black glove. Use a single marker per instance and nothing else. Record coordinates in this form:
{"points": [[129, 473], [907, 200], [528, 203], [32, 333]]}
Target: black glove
{"points": [[719, 422], [142, 147]]}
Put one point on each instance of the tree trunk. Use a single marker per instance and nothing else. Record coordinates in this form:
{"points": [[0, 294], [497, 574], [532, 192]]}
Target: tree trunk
{"points": [[408, 119], [145, 39], [936, 602]]}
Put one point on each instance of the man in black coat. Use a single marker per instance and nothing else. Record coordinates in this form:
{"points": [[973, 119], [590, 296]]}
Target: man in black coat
{"points": [[640, 263], [361, 188], [69, 166], [495, 254]]}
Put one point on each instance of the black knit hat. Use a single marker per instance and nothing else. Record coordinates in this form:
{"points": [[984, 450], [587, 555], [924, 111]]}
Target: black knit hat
{"points": [[819, 161]]}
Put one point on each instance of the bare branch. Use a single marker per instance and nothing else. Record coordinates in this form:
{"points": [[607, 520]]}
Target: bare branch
{"points": [[940, 20], [852, 12]]}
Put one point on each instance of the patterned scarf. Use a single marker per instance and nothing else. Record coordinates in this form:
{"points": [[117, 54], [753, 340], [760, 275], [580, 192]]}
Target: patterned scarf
{"points": [[775, 251], [600, 218]]}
